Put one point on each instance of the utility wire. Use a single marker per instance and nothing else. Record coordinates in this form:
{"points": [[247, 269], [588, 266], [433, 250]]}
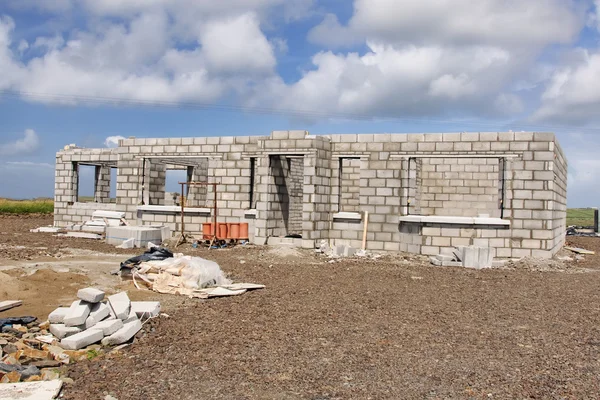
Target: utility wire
{"points": [[111, 101]]}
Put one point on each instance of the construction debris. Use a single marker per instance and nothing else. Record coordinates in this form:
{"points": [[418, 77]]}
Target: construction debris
{"points": [[579, 250], [165, 272], [30, 351], [468, 257], [8, 304], [127, 237], [582, 231], [31, 390], [88, 322], [92, 229]]}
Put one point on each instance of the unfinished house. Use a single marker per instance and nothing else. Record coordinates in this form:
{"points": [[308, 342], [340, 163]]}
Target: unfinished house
{"points": [[424, 193]]}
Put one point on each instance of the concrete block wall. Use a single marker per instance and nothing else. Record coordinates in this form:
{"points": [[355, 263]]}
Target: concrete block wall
{"points": [[459, 186], [102, 184], [67, 208], [532, 195], [559, 204], [350, 185]]}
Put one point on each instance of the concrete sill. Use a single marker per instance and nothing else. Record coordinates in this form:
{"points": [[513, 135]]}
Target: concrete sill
{"points": [[250, 214], [436, 219], [354, 216], [173, 209]]}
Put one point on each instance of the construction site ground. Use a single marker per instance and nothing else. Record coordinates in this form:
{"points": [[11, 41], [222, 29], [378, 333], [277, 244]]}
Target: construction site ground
{"points": [[395, 327]]}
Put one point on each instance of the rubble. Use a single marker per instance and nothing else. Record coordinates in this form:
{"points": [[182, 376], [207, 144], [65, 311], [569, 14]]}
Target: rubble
{"points": [[102, 318], [31, 390], [8, 304], [32, 351], [476, 257]]}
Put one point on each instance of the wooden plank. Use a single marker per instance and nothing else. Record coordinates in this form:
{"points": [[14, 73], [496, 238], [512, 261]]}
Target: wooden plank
{"points": [[47, 390], [579, 250], [8, 304]]}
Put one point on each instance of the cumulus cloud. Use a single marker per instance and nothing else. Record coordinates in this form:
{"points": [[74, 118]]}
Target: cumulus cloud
{"points": [[113, 141], [512, 23], [390, 81], [26, 145], [433, 56], [418, 57], [144, 57], [573, 93]]}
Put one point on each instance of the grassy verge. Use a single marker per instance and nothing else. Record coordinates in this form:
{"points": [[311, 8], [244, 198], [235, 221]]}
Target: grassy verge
{"points": [[36, 206], [580, 217]]}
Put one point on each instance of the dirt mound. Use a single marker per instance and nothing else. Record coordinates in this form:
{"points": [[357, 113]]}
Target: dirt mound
{"points": [[539, 264], [285, 252]]}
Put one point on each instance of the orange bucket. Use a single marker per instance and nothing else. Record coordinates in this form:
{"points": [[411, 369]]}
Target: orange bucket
{"points": [[234, 231], [207, 230], [222, 233], [243, 233]]}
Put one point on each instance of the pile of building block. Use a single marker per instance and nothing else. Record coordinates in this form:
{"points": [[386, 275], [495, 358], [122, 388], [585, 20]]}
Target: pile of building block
{"points": [[96, 227], [476, 257], [92, 319]]}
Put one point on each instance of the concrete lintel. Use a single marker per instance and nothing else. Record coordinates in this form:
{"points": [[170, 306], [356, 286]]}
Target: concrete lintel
{"points": [[173, 209], [438, 219], [169, 157], [499, 155], [356, 156], [348, 216]]}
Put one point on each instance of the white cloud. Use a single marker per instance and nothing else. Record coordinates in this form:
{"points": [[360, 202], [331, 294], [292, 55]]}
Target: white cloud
{"points": [[140, 58], [237, 45], [391, 81], [429, 57], [27, 145], [423, 57], [513, 23], [113, 141], [573, 93], [582, 150]]}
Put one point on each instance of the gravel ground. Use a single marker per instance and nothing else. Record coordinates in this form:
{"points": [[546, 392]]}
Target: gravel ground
{"points": [[392, 328]]}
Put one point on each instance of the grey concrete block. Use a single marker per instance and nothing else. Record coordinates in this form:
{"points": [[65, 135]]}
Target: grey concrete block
{"points": [[57, 316], [131, 317], [120, 305], [82, 339], [91, 295], [109, 326], [99, 312], [145, 309], [62, 331], [78, 313], [124, 334]]}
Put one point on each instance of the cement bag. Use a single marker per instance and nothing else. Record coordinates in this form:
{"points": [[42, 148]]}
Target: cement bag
{"points": [[201, 273]]}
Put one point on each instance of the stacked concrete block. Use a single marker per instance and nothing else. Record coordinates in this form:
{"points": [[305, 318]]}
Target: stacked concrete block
{"points": [[459, 186], [67, 206], [519, 177], [349, 186], [93, 319], [141, 235], [102, 184]]}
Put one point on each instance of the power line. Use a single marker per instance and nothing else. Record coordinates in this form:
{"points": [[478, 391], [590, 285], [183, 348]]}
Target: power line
{"points": [[111, 101]]}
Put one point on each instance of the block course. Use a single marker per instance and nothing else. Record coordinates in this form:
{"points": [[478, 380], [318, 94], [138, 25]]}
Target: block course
{"points": [[296, 183]]}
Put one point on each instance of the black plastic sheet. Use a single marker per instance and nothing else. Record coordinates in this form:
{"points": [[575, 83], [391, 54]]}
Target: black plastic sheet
{"points": [[153, 254]]}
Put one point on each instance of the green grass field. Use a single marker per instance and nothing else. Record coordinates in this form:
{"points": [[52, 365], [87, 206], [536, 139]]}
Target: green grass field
{"points": [[35, 206], [580, 217]]}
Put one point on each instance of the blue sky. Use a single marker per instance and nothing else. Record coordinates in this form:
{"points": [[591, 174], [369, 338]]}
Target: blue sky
{"points": [[330, 66]]}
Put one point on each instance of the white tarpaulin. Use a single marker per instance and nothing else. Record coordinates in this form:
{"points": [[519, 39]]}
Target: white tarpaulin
{"points": [[189, 276]]}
